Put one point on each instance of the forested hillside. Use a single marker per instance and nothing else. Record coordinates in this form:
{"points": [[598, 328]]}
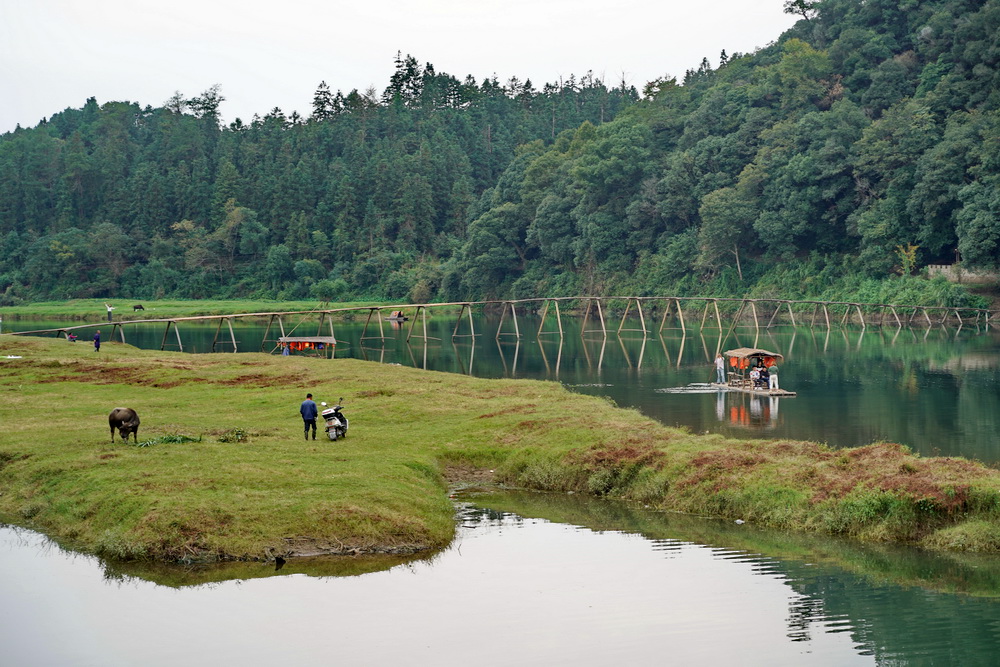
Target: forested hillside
{"points": [[862, 144]]}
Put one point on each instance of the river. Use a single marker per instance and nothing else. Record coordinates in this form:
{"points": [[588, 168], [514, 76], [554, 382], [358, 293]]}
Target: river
{"points": [[600, 584]]}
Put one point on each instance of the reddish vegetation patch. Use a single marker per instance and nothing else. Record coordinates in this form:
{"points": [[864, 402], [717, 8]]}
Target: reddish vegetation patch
{"points": [[834, 473], [810, 450], [888, 467], [725, 460], [722, 464], [618, 455]]}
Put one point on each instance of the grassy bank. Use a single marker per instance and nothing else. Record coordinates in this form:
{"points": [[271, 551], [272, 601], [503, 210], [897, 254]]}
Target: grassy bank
{"points": [[94, 310], [249, 486]]}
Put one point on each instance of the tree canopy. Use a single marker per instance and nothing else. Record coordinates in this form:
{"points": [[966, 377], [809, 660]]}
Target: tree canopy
{"points": [[868, 127]]}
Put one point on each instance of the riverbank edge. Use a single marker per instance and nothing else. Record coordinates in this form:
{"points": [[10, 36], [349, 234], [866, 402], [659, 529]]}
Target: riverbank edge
{"points": [[517, 433]]}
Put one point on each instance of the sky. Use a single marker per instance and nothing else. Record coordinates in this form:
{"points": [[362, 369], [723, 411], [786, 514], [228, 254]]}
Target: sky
{"points": [[54, 54]]}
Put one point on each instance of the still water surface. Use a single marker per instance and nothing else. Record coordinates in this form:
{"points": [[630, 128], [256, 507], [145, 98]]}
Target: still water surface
{"points": [[604, 585]]}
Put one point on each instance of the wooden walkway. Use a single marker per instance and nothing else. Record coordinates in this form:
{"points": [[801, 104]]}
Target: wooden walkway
{"points": [[724, 314]]}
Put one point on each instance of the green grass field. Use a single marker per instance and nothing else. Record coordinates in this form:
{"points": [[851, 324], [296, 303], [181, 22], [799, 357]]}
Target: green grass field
{"points": [[384, 489], [95, 310]]}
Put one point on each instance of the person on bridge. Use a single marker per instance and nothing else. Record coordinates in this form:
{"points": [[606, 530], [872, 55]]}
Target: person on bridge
{"points": [[309, 412]]}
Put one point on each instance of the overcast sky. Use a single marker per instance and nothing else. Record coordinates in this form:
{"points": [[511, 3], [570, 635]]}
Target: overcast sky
{"points": [[55, 54]]}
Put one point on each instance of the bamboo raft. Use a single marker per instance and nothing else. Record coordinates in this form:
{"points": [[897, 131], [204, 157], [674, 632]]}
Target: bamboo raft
{"points": [[757, 391], [743, 358]]}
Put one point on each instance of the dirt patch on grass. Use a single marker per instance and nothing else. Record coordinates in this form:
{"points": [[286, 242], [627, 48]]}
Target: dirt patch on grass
{"points": [[528, 409], [101, 374], [457, 474], [9, 457], [260, 380], [372, 393], [305, 547]]}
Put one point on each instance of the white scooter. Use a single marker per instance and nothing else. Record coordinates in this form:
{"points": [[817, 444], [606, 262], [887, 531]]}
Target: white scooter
{"points": [[336, 423]]}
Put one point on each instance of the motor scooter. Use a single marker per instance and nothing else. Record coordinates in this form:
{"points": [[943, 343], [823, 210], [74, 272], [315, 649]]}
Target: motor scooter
{"points": [[336, 423]]}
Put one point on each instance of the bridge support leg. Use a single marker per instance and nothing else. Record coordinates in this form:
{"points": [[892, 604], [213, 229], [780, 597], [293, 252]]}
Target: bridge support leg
{"points": [[545, 312], [642, 319], [458, 322], [600, 313], [513, 314]]}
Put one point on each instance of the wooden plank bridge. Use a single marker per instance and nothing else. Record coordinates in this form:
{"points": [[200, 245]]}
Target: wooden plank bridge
{"points": [[725, 314]]}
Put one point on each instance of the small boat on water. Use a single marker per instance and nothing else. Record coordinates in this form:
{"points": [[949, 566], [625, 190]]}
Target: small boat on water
{"points": [[741, 362], [397, 316]]}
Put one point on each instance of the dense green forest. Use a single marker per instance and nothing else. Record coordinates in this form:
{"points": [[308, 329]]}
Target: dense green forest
{"points": [[860, 146]]}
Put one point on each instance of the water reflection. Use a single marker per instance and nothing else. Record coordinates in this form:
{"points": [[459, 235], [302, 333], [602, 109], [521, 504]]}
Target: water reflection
{"points": [[897, 605], [594, 582]]}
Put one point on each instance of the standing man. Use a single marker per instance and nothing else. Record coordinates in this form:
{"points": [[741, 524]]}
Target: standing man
{"points": [[110, 308], [309, 413], [97, 341], [720, 369]]}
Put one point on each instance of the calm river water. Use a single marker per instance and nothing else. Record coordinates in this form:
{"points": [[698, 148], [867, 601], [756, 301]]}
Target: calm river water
{"points": [[601, 585], [541, 579]]}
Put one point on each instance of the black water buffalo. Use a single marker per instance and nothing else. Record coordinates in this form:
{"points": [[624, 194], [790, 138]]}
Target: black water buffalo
{"points": [[126, 421], [137, 306]]}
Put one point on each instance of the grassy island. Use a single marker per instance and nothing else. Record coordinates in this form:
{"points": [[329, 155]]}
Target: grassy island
{"points": [[243, 484]]}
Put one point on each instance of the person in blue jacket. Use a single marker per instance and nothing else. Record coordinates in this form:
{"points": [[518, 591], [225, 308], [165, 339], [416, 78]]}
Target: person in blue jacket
{"points": [[309, 412], [97, 341]]}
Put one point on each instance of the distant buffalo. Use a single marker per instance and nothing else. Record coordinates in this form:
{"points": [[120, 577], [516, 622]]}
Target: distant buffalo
{"points": [[126, 421], [137, 306]]}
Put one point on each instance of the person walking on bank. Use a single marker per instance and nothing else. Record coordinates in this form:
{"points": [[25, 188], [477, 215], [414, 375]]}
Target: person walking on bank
{"points": [[720, 369], [97, 341], [309, 412]]}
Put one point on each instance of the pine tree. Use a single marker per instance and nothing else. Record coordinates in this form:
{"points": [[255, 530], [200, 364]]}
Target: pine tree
{"points": [[323, 106]]}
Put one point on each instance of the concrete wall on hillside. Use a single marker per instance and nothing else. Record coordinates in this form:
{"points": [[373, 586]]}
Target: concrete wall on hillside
{"points": [[956, 274]]}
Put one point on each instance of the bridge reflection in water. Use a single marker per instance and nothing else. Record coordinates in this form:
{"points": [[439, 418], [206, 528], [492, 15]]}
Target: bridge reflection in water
{"points": [[722, 314]]}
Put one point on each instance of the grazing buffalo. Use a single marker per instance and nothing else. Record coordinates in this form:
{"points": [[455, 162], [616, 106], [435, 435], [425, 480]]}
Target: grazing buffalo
{"points": [[126, 421], [137, 306]]}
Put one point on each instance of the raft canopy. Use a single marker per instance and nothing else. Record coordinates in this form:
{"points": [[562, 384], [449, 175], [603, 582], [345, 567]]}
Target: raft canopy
{"points": [[744, 357], [752, 352]]}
